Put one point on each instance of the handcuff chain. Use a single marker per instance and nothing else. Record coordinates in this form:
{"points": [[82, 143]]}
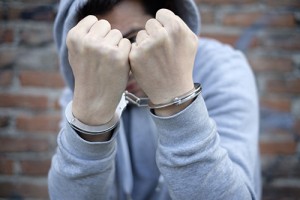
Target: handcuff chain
{"points": [[140, 102]]}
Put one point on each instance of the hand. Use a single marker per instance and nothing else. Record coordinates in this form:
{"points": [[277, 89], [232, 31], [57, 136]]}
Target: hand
{"points": [[99, 60], [134, 88], [162, 58]]}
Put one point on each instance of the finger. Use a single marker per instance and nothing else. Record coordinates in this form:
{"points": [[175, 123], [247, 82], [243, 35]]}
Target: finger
{"points": [[141, 36], [125, 45], [165, 16], [86, 23], [153, 26], [113, 37], [170, 21], [100, 28], [132, 55], [182, 22]]}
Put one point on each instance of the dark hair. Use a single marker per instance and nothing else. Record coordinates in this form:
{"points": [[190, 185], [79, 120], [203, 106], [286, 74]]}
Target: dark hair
{"points": [[152, 6], [98, 7], [95, 7]]}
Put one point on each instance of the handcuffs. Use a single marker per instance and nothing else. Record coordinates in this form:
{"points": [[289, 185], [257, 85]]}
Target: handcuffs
{"points": [[126, 98]]}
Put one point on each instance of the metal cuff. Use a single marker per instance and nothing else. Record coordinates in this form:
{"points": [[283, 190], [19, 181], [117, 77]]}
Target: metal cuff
{"points": [[179, 100], [95, 130]]}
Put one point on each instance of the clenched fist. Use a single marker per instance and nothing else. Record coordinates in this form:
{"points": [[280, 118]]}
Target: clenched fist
{"points": [[161, 61], [99, 60], [162, 58]]}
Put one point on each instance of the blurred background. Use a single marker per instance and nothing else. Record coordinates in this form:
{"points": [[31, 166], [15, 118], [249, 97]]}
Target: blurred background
{"points": [[267, 31]]}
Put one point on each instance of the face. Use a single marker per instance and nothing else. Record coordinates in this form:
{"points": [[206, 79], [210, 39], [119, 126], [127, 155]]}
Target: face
{"points": [[128, 16]]}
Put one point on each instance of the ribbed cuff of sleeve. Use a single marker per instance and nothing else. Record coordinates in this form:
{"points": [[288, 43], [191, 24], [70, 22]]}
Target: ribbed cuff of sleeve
{"points": [[189, 125], [84, 149]]}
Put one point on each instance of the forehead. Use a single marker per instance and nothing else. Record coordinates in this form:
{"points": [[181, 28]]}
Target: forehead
{"points": [[127, 14], [126, 8]]}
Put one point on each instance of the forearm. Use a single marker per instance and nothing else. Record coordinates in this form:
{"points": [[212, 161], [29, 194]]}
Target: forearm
{"points": [[192, 160], [80, 169]]}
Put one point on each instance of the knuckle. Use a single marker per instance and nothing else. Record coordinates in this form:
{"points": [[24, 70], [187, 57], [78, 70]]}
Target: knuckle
{"points": [[133, 56], [118, 56], [89, 45], [163, 12], [105, 23], [71, 37], [162, 36], [105, 50], [140, 33], [150, 22], [91, 17], [176, 26], [117, 33], [196, 39]]}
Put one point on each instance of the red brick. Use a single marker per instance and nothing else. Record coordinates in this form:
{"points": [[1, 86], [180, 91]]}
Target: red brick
{"points": [[281, 148], [278, 104], [13, 13], [283, 41], [41, 79], [6, 166], [23, 145], [6, 35], [7, 58], [279, 169], [40, 12], [23, 190], [284, 20], [36, 168], [4, 121], [228, 39], [284, 86], [23, 101], [29, 11], [271, 64], [6, 78], [38, 123], [297, 127], [207, 17], [243, 19], [280, 193], [285, 3], [57, 105], [36, 36]]}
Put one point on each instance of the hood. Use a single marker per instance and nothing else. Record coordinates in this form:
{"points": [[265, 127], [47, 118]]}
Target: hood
{"points": [[66, 19]]}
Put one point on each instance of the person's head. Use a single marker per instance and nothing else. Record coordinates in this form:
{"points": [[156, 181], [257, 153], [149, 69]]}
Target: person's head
{"points": [[128, 16]]}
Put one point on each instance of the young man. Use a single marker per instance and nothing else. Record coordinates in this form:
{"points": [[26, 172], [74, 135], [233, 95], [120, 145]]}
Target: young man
{"points": [[187, 145]]}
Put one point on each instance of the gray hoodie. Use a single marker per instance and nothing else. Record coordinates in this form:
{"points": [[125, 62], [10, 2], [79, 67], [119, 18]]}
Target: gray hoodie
{"points": [[207, 151]]}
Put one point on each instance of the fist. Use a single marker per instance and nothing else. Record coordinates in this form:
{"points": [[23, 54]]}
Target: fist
{"points": [[162, 58], [99, 60]]}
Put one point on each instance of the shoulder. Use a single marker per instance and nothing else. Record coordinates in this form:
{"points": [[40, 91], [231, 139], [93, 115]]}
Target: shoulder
{"points": [[211, 51], [225, 75], [220, 63]]}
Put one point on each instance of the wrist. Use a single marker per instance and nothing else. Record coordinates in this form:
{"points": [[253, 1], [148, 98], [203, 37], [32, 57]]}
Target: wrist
{"points": [[171, 110], [177, 104], [96, 138], [92, 117], [102, 131], [92, 114]]}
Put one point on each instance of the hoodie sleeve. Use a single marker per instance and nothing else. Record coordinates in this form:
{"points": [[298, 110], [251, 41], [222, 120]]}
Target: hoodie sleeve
{"points": [[209, 150], [81, 169]]}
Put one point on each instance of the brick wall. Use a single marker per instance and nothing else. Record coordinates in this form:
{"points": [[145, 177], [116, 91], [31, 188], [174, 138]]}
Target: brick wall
{"points": [[268, 32], [30, 84]]}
